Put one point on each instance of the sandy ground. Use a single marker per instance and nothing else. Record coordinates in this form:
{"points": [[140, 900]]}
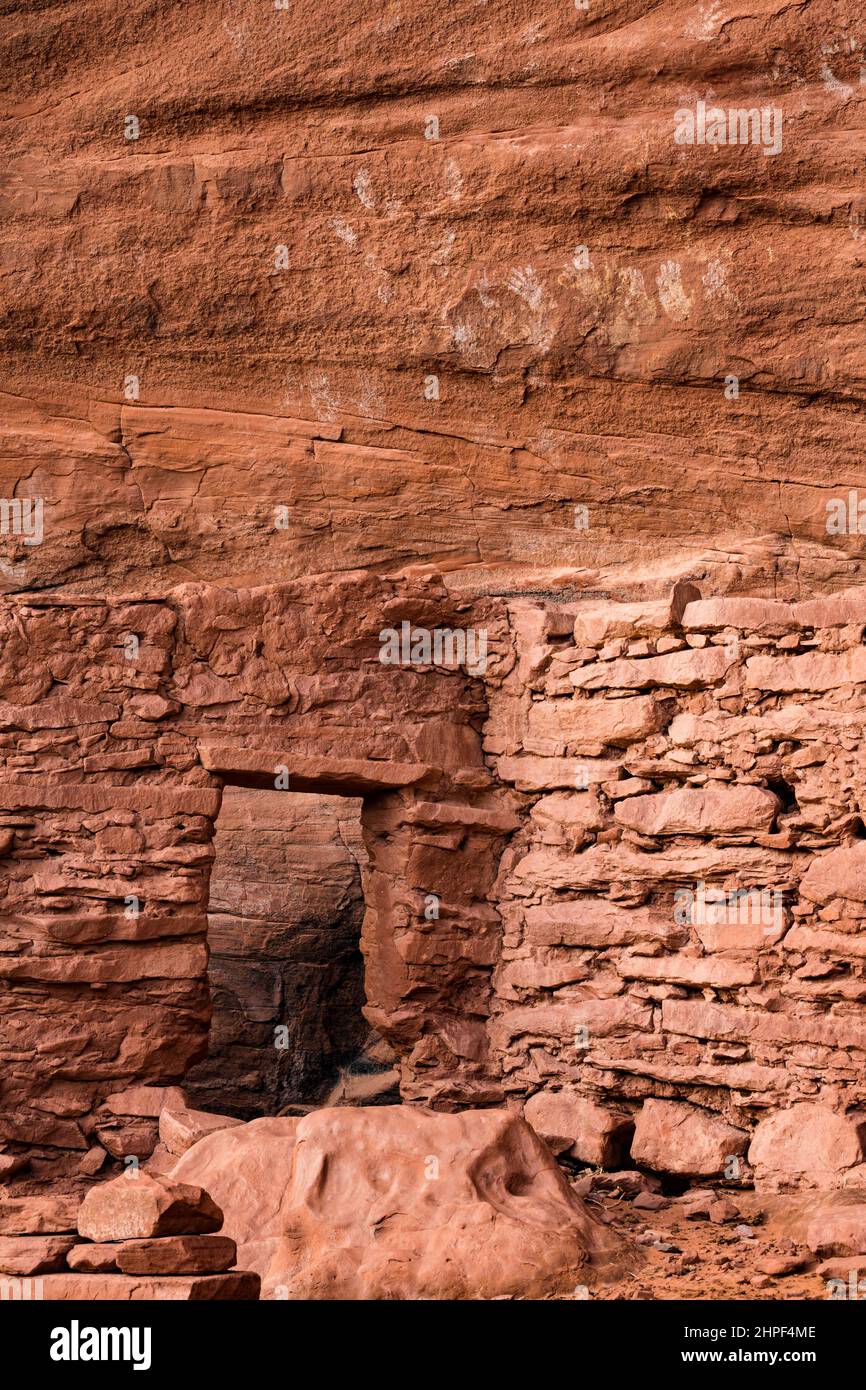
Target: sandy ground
{"points": [[757, 1252]]}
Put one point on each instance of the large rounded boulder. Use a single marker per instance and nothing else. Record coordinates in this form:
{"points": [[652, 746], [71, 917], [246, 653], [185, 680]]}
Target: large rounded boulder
{"points": [[400, 1202]]}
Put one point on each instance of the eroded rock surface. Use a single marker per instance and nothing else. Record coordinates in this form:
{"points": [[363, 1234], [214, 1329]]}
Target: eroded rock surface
{"points": [[323, 214], [399, 1202]]}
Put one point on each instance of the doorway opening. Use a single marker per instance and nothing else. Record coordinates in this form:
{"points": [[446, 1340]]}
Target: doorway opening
{"points": [[286, 971]]}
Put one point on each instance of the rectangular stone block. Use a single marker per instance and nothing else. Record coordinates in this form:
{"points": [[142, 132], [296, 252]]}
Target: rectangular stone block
{"points": [[21, 1216], [749, 614], [710, 810], [705, 1020], [686, 670], [714, 972], [598, 867], [832, 610], [531, 774], [814, 671], [159, 801], [25, 1255], [595, 624], [596, 923], [553, 726], [237, 1286], [177, 1255], [599, 1017]]}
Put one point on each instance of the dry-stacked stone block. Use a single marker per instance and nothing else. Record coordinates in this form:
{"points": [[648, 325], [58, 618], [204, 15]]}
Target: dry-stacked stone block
{"points": [[135, 1237], [36, 1235]]}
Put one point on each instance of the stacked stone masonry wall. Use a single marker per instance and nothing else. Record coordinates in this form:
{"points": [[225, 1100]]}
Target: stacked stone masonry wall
{"points": [[720, 744], [613, 755]]}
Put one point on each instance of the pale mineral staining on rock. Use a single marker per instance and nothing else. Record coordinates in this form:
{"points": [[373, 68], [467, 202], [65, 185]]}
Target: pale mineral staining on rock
{"points": [[432, 663]]}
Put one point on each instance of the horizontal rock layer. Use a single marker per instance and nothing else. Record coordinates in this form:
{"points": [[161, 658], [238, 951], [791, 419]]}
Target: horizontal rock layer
{"points": [[430, 282]]}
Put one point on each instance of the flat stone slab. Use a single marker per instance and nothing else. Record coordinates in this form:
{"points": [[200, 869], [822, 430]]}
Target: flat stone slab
{"points": [[333, 776], [162, 1255], [177, 1255], [36, 1216], [237, 1286], [34, 1254]]}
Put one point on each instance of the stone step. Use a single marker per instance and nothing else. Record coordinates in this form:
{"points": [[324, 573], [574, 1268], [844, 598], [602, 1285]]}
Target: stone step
{"points": [[238, 1285]]}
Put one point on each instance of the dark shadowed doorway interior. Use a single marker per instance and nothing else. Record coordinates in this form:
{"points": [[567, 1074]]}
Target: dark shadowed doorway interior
{"points": [[286, 971]]}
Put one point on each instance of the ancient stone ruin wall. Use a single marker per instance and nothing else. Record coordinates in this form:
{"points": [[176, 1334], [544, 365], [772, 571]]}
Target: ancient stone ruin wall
{"points": [[626, 861], [424, 314], [684, 906], [121, 720], [718, 741]]}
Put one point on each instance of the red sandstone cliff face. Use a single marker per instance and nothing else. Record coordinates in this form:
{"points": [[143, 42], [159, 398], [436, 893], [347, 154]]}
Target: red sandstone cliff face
{"points": [[243, 307], [300, 363]]}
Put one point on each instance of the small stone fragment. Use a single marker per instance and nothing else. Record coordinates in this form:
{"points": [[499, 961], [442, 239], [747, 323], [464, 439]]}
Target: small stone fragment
{"points": [[649, 1201], [780, 1265]]}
